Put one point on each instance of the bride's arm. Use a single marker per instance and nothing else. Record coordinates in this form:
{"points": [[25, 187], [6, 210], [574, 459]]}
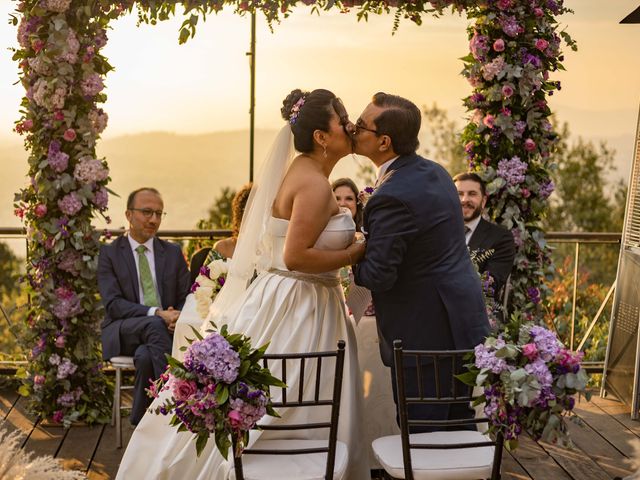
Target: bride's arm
{"points": [[311, 211]]}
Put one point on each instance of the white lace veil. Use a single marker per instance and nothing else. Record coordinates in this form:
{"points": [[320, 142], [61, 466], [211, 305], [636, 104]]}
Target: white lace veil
{"points": [[253, 249]]}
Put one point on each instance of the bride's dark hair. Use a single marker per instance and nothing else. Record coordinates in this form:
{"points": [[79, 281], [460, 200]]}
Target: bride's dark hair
{"points": [[307, 112]]}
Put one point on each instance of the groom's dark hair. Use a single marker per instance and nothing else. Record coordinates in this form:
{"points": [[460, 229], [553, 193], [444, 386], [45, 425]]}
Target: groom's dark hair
{"points": [[400, 121]]}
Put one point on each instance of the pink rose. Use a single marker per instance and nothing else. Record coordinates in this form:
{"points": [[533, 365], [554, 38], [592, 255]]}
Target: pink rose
{"points": [[498, 45], [530, 351], [69, 135], [538, 12], [59, 116], [526, 193], [529, 145], [507, 91], [183, 389], [38, 380], [235, 418], [40, 210], [58, 416], [541, 44], [60, 341], [489, 120]]}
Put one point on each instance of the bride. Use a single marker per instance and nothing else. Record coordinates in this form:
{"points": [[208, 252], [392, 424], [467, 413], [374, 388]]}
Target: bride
{"points": [[294, 234]]}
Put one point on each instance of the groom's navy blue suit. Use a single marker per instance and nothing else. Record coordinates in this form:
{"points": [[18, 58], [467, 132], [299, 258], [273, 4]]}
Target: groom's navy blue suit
{"points": [[424, 287], [127, 329]]}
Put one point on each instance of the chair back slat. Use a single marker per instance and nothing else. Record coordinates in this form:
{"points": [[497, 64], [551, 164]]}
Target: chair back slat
{"points": [[301, 382], [448, 390], [299, 400], [316, 397]]}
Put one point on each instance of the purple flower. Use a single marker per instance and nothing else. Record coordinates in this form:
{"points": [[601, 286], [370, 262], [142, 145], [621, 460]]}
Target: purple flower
{"points": [[91, 85], [67, 304], [513, 170], [547, 342], [510, 26], [534, 295], [479, 46], [101, 198], [65, 368], [538, 368], [530, 59], [58, 161], [486, 358], [213, 358], [70, 204]]}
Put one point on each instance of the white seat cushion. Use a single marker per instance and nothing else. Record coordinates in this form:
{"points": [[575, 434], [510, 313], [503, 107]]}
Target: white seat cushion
{"points": [[432, 464], [292, 467], [122, 362]]}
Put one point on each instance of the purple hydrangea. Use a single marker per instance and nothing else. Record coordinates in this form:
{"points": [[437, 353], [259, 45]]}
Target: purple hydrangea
{"points": [[486, 357], [69, 399], [67, 304], [58, 161], [213, 358], [70, 204], [101, 198], [65, 368], [68, 261], [512, 170], [534, 295], [510, 25], [538, 368], [547, 342], [92, 85]]}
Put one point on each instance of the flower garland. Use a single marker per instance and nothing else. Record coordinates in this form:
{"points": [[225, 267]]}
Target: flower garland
{"points": [[514, 45], [62, 72]]}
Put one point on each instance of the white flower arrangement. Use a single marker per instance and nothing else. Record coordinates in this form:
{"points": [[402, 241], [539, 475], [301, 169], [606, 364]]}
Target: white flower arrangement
{"points": [[208, 283]]}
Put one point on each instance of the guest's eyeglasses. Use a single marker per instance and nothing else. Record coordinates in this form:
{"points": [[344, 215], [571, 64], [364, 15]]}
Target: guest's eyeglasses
{"points": [[358, 126], [148, 213]]}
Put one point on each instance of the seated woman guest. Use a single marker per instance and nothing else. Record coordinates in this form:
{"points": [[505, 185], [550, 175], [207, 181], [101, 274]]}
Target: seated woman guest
{"points": [[346, 193], [226, 246]]}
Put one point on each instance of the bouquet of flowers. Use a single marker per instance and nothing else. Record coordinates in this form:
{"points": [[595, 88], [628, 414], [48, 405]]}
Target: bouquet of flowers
{"points": [[220, 388], [529, 379], [209, 282]]}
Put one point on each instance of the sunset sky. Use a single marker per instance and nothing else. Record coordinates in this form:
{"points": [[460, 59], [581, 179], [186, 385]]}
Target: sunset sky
{"points": [[203, 86]]}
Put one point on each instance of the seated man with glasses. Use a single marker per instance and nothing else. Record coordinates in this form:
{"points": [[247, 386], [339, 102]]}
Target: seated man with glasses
{"points": [[143, 282]]}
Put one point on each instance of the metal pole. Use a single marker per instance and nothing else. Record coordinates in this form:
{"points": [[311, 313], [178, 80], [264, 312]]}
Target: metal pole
{"points": [[575, 294], [252, 106]]}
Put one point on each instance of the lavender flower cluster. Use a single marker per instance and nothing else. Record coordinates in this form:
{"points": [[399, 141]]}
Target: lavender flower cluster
{"points": [[213, 357], [512, 170]]}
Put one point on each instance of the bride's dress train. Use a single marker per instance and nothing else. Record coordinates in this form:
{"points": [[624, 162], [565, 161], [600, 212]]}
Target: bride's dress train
{"points": [[295, 312]]}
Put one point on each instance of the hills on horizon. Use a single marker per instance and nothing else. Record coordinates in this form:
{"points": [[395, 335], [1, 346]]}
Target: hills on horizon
{"points": [[191, 170]]}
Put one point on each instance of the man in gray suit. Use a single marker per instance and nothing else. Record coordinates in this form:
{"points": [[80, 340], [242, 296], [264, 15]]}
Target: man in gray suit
{"points": [[143, 282]]}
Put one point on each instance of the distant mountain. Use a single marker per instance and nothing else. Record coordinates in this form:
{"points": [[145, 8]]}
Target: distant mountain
{"points": [[189, 170]]}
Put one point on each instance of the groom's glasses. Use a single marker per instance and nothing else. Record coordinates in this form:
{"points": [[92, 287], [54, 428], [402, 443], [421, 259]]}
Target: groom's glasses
{"points": [[358, 126]]}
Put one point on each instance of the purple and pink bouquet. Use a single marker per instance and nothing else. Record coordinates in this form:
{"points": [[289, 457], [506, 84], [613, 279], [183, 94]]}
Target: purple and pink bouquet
{"points": [[220, 388], [530, 380]]}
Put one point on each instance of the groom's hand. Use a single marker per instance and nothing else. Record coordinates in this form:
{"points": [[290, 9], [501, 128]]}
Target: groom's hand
{"points": [[170, 317]]}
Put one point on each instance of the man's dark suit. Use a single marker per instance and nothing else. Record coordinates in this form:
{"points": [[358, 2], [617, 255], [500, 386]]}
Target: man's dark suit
{"points": [[127, 329], [424, 287], [489, 236]]}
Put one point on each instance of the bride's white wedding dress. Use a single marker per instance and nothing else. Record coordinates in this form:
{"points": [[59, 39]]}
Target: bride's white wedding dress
{"points": [[295, 312]]}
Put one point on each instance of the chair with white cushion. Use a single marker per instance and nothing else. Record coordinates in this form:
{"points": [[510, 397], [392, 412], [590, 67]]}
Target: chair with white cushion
{"points": [[119, 364], [295, 458], [442, 455]]}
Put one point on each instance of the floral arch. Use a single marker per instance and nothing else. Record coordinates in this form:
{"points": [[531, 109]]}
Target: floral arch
{"points": [[514, 47]]}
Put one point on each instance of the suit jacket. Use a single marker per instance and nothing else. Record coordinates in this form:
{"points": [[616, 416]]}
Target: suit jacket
{"points": [[425, 290], [119, 287], [489, 236]]}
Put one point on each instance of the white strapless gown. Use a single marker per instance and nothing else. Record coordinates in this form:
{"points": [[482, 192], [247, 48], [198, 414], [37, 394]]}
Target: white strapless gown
{"points": [[297, 313]]}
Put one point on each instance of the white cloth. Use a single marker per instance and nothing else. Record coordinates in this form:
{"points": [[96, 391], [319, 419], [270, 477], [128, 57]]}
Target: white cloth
{"points": [[294, 315], [152, 265]]}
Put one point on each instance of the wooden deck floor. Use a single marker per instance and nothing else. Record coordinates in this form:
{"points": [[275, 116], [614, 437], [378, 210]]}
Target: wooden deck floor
{"points": [[604, 444]]}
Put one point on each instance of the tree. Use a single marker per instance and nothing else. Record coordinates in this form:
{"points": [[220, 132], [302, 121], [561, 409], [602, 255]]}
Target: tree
{"points": [[583, 200], [444, 140], [218, 218]]}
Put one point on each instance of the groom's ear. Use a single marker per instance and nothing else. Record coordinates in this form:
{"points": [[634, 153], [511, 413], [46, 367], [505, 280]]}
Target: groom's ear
{"points": [[385, 143]]}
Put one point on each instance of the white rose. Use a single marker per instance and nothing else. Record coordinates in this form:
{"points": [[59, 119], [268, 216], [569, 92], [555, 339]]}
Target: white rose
{"points": [[217, 268], [203, 300]]}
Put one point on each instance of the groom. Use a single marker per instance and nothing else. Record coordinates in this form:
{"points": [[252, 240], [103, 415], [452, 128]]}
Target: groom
{"points": [[424, 287]]}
